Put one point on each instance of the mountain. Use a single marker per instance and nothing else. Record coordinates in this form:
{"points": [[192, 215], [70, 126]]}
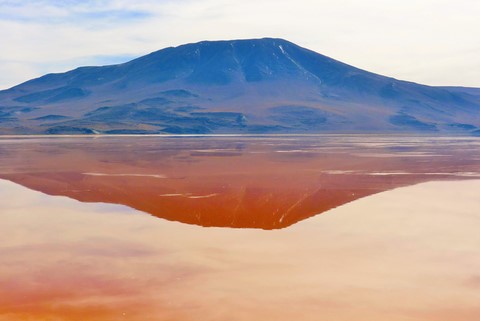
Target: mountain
{"points": [[240, 86]]}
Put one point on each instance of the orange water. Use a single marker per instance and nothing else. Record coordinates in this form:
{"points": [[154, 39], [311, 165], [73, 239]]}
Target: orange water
{"points": [[408, 253]]}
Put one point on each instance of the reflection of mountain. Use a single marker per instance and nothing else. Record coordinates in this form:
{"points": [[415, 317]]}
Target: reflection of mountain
{"points": [[231, 182], [244, 86]]}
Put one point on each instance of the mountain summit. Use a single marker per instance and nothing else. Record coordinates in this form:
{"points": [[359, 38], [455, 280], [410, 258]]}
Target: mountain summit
{"points": [[240, 86]]}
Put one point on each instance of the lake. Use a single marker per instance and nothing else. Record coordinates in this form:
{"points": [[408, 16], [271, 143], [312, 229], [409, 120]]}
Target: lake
{"points": [[329, 227]]}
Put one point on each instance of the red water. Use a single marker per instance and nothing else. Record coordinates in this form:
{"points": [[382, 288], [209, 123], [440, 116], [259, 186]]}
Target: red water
{"points": [[267, 183]]}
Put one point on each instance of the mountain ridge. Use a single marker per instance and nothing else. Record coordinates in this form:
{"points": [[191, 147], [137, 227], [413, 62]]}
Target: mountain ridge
{"points": [[266, 85]]}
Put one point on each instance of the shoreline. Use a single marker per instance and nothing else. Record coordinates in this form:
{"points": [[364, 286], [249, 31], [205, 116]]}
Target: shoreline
{"points": [[379, 135]]}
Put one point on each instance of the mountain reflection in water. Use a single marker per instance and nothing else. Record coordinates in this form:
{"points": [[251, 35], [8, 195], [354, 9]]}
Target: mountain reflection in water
{"points": [[408, 254], [241, 182]]}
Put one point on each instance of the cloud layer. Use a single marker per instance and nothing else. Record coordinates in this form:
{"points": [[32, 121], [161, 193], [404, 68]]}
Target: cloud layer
{"points": [[429, 41]]}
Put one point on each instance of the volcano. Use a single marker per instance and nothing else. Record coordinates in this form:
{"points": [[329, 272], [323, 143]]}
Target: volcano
{"points": [[256, 86]]}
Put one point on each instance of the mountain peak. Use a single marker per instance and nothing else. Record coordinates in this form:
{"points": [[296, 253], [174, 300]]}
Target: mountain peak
{"points": [[234, 86], [221, 62], [250, 41]]}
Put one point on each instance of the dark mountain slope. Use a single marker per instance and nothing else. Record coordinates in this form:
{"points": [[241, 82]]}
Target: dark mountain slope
{"points": [[242, 86]]}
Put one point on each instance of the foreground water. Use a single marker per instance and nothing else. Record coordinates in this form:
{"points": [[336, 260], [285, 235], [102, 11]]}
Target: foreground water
{"points": [[408, 251]]}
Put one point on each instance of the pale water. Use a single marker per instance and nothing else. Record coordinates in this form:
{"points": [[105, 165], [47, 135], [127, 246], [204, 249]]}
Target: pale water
{"points": [[228, 228]]}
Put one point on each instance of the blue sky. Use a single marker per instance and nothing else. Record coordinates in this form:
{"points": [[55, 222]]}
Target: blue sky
{"points": [[434, 42]]}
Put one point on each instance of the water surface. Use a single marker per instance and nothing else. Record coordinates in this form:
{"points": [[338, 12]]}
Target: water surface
{"points": [[264, 182], [397, 240]]}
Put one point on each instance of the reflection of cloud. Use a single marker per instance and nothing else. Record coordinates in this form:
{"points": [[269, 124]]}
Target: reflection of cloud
{"points": [[390, 173], [473, 281], [189, 195], [100, 247], [125, 175], [203, 196], [335, 265]]}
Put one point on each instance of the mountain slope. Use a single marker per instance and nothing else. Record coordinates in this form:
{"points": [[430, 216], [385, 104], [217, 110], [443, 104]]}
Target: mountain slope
{"points": [[241, 86]]}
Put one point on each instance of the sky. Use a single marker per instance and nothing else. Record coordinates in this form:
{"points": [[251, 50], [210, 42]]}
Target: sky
{"points": [[434, 42]]}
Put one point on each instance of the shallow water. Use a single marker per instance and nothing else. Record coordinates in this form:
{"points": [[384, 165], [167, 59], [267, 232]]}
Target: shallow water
{"points": [[402, 243], [254, 182]]}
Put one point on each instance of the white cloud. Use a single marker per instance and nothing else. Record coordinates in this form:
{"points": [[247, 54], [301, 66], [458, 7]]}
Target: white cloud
{"points": [[427, 41]]}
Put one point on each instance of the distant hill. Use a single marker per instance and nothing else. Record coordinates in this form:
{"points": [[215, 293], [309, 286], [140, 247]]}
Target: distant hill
{"points": [[240, 86]]}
